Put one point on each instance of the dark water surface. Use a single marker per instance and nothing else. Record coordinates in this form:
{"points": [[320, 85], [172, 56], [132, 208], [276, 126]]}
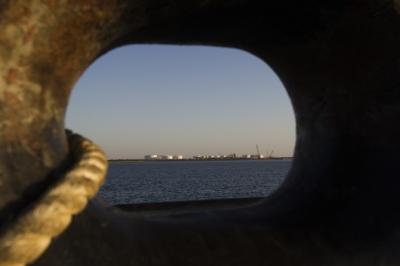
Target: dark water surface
{"points": [[191, 180]]}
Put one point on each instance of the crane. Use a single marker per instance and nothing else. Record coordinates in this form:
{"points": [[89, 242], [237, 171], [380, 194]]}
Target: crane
{"points": [[258, 151]]}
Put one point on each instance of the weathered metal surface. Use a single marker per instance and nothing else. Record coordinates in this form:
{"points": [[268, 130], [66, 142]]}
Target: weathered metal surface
{"points": [[44, 48], [339, 61]]}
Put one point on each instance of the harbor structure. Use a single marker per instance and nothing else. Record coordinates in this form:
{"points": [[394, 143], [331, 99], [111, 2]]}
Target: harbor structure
{"points": [[257, 156], [153, 157]]}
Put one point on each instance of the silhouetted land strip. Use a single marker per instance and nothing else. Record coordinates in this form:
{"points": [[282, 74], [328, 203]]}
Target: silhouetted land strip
{"points": [[176, 207], [194, 160]]}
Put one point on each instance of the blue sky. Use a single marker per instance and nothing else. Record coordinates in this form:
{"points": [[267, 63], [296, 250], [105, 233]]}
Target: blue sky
{"points": [[189, 100]]}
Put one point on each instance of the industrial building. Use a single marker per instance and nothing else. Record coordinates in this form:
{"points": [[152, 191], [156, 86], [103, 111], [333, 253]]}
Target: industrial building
{"points": [[163, 157]]}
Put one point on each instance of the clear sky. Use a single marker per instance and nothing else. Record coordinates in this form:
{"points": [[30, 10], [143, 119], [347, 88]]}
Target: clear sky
{"points": [[189, 100]]}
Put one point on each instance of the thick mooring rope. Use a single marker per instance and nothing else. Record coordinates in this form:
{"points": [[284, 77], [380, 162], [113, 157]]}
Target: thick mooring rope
{"points": [[29, 236]]}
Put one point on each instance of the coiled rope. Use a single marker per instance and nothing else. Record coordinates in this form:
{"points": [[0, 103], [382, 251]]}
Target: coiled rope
{"points": [[29, 236]]}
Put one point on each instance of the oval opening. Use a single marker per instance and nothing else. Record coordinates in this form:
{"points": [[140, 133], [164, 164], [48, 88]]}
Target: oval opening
{"points": [[196, 106]]}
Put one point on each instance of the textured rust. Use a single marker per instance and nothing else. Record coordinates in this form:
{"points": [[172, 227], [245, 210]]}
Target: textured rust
{"points": [[339, 61], [29, 34], [11, 76]]}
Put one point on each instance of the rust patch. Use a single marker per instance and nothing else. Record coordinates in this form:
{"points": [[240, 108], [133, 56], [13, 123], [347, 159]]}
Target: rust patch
{"points": [[26, 12], [51, 3], [18, 14], [12, 104], [29, 34], [11, 100], [11, 76]]}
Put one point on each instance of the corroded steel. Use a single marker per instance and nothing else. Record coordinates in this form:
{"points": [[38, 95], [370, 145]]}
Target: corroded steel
{"points": [[339, 61]]}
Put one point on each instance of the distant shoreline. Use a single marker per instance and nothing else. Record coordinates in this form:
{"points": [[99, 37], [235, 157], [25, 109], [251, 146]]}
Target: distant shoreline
{"points": [[199, 160]]}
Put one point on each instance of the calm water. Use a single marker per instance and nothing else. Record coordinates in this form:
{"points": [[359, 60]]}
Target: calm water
{"points": [[180, 181]]}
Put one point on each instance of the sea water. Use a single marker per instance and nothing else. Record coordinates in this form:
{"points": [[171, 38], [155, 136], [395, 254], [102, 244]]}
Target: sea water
{"points": [[138, 182]]}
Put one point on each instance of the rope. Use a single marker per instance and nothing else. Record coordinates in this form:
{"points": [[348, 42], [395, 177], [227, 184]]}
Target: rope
{"points": [[31, 234]]}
